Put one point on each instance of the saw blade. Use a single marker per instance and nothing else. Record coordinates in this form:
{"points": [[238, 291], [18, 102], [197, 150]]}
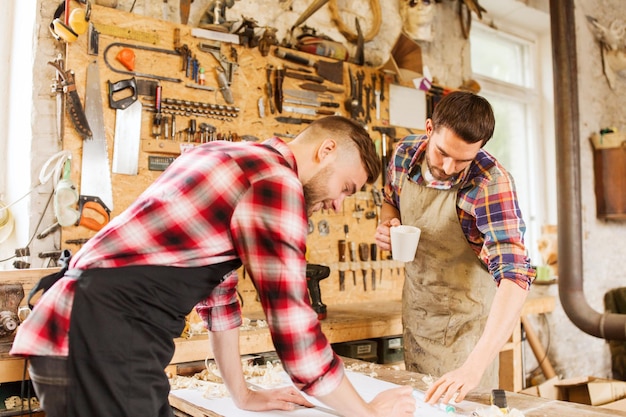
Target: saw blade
{"points": [[127, 139], [307, 95], [95, 177]]}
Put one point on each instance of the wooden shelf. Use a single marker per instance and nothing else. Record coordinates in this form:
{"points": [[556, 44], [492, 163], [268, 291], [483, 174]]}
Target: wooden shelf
{"points": [[344, 323]]}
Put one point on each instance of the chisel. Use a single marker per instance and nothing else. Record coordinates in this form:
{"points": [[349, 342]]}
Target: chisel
{"points": [[307, 111], [353, 259], [373, 252], [307, 95], [342, 258], [320, 88], [364, 257], [279, 75], [292, 120], [311, 103]]}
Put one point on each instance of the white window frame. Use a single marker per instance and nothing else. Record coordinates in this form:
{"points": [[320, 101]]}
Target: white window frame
{"points": [[537, 206]]}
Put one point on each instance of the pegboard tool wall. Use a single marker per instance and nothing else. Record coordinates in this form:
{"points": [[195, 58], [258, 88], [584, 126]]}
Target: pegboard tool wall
{"points": [[248, 85]]}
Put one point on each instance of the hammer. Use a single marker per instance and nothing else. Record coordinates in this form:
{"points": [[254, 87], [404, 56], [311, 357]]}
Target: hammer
{"points": [[384, 132]]}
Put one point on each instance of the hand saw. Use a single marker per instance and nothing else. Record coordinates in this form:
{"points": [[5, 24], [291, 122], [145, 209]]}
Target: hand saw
{"points": [[127, 126], [73, 105], [96, 194]]}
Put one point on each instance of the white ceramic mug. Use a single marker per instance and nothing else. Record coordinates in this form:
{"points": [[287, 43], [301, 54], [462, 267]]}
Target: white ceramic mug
{"points": [[404, 240]]}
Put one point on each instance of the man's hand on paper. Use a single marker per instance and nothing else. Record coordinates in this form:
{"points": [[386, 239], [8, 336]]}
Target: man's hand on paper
{"points": [[394, 402], [453, 385], [285, 398]]}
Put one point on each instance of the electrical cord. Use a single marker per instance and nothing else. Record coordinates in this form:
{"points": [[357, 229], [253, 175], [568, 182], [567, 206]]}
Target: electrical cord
{"points": [[51, 169], [45, 174], [36, 228]]}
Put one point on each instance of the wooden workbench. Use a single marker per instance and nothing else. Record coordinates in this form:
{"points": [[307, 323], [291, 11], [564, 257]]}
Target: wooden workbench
{"points": [[347, 322], [531, 406], [359, 321]]}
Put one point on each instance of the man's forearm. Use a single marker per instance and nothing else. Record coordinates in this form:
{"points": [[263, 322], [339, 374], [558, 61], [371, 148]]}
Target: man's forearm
{"points": [[503, 316], [388, 212], [225, 346]]}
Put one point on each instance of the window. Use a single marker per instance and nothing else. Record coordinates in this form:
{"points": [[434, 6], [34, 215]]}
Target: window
{"points": [[506, 67]]}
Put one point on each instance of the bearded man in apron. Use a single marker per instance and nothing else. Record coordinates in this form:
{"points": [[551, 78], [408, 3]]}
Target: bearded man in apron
{"points": [[464, 291]]}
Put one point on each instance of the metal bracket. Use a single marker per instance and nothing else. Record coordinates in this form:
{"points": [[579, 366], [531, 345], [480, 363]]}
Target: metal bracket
{"points": [[216, 50]]}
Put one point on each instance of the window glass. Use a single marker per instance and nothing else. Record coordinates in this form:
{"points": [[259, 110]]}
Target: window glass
{"points": [[502, 65], [499, 57]]}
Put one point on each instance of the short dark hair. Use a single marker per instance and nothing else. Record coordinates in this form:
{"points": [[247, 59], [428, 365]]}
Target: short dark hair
{"points": [[344, 129], [468, 115]]}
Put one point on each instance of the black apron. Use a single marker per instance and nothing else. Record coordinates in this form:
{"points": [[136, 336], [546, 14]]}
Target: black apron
{"points": [[122, 327]]}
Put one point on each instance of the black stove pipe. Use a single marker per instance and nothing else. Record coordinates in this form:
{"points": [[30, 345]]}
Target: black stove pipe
{"points": [[603, 325]]}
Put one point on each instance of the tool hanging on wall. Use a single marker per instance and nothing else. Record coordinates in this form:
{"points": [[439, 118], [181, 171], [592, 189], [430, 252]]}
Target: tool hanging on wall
{"points": [[142, 48], [364, 258], [331, 71], [96, 193], [222, 81], [73, 104], [228, 66], [73, 24], [353, 258], [341, 246], [157, 120], [127, 126], [183, 9], [56, 89], [373, 253], [279, 75]]}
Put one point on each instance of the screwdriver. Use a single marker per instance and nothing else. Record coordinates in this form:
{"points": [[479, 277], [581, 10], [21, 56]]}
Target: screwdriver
{"points": [[373, 251], [158, 116], [364, 256], [353, 259], [342, 258]]}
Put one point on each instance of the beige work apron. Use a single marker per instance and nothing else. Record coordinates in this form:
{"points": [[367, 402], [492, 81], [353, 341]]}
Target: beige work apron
{"points": [[447, 290]]}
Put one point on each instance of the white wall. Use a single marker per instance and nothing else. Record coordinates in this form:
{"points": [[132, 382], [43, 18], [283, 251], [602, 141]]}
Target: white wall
{"points": [[28, 132]]}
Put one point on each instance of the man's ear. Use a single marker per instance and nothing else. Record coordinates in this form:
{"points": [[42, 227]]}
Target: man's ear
{"points": [[326, 148], [429, 127]]}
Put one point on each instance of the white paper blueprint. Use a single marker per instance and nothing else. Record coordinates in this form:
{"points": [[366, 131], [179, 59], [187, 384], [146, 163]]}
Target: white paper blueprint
{"points": [[366, 386]]}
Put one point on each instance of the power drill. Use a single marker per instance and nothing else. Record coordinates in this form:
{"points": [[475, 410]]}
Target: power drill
{"points": [[314, 274]]}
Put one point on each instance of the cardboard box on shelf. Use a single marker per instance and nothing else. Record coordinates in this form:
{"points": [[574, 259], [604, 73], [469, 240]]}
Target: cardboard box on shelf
{"points": [[616, 405], [546, 389], [591, 390]]}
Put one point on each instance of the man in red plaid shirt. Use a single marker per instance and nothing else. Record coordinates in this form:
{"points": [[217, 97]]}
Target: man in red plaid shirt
{"points": [[99, 338]]}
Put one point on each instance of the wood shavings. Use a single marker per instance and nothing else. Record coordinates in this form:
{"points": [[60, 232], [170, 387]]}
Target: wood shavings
{"points": [[196, 329], [368, 369], [494, 411], [248, 324], [428, 380], [210, 382], [268, 376], [15, 402]]}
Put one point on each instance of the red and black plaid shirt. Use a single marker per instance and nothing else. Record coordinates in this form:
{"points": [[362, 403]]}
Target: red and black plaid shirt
{"points": [[217, 202]]}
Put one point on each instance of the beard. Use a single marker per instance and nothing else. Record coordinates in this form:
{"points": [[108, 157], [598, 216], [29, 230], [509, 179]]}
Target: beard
{"points": [[316, 189], [437, 173]]}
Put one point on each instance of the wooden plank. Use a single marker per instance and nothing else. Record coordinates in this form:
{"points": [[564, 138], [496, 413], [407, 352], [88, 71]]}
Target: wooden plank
{"points": [[11, 369]]}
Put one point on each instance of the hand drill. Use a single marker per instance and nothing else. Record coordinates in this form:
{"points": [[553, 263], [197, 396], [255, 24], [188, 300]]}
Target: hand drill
{"points": [[314, 274]]}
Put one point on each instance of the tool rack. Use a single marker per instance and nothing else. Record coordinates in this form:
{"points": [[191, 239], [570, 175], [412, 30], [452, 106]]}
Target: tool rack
{"points": [[240, 121]]}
